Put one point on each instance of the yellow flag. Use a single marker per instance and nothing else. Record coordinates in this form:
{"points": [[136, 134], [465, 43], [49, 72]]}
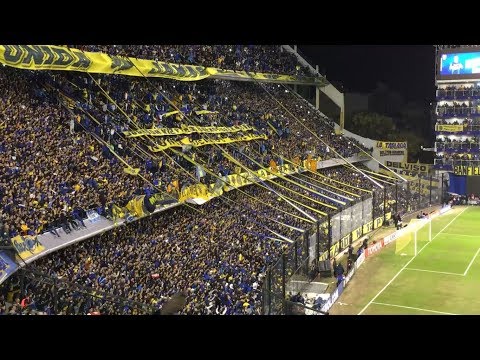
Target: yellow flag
{"points": [[131, 171], [185, 140]]}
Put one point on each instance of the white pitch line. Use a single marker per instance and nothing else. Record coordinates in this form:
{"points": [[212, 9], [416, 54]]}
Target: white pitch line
{"points": [[471, 262], [413, 308], [475, 236], [409, 261], [433, 271]]}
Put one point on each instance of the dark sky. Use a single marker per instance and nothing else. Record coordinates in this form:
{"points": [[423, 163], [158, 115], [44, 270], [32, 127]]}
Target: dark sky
{"points": [[408, 69]]}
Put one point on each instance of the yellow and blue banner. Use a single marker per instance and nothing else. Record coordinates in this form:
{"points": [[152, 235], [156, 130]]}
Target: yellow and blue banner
{"points": [[7, 266], [391, 145], [167, 144], [449, 128], [186, 130], [52, 57], [27, 246]]}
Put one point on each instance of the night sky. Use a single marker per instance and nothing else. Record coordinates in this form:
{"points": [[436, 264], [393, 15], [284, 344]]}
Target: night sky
{"points": [[408, 69]]}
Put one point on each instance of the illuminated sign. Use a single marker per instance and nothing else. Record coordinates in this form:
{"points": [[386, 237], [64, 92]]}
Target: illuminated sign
{"points": [[459, 65]]}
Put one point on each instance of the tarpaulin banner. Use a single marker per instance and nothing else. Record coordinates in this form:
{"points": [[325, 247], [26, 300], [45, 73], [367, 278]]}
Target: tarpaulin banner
{"points": [[259, 76], [468, 170], [391, 145], [167, 144], [449, 128], [194, 191], [27, 246], [188, 130], [52, 57], [7, 266], [393, 152], [93, 216], [417, 168]]}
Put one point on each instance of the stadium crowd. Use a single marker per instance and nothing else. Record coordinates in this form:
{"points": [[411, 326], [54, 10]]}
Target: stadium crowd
{"points": [[64, 152], [50, 175], [219, 263]]}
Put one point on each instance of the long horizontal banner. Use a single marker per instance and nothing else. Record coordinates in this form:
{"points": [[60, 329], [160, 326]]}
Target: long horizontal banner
{"points": [[235, 181], [244, 75], [51, 57], [449, 128], [188, 130], [230, 182], [466, 170], [417, 168], [391, 145], [393, 152], [166, 144], [198, 112]]}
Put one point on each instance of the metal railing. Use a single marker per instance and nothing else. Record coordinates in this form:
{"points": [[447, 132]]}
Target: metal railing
{"points": [[301, 260]]}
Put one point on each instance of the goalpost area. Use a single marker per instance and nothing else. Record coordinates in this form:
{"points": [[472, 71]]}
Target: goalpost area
{"points": [[432, 267]]}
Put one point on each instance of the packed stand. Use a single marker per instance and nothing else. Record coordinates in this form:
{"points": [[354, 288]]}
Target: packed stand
{"points": [[231, 103], [51, 175], [218, 256]]}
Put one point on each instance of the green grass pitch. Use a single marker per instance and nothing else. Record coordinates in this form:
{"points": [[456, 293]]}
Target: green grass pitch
{"points": [[443, 278]]}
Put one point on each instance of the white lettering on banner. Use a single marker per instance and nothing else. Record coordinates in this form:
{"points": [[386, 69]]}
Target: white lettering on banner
{"points": [[333, 297], [387, 240], [360, 260], [372, 249], [93, 216], [349, 275]]}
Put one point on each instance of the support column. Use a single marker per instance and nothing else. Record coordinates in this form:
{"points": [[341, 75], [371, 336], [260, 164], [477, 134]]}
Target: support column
{"points": [[306, 258], [430, 192], [384, 204], [284, 270], [419, 193], [396, 197], [317, 252], [443, 199], [296, 255], [329, 234]]}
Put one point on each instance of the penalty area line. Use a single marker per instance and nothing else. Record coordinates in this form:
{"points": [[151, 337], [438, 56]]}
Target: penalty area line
{"points": [[436, 272], [413, 308]]}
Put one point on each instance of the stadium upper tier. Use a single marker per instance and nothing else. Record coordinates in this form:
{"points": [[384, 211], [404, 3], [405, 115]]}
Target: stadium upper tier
{"points": [[457, 127], [65, 151]]}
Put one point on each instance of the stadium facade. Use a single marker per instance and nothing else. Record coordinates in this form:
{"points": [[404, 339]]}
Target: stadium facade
{"points": [[457, 128]]}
